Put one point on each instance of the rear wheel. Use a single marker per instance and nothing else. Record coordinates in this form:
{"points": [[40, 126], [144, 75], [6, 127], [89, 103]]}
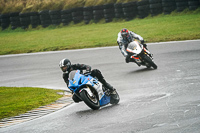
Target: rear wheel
{"points": [[149, 61], [114, 99], [90, 101]]}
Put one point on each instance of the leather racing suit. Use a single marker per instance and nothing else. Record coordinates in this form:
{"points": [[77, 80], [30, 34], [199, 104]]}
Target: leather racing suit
{"points": [[123, 44], [95, 73]]}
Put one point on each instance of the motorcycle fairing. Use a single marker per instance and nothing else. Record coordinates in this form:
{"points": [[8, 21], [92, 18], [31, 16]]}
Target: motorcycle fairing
{"points": [[134, 47], [74, 80], [104, 100], [77, 80], [137, 59]]}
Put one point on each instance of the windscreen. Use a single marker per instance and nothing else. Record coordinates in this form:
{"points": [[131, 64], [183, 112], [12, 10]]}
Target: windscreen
{"points": [[132, 45], [71, 75]]}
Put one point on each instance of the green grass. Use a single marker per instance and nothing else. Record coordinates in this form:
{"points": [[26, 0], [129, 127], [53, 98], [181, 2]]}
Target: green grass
{"points": [[177, 26], [18, 100]]}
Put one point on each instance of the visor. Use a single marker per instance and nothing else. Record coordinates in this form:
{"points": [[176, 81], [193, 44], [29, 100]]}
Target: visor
{"points": [[124, 35], [64, 69]]}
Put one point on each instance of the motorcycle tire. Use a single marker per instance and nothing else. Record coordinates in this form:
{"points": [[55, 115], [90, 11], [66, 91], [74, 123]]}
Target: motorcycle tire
{"points": [[93, 103], [149, 61], [114, 99]]}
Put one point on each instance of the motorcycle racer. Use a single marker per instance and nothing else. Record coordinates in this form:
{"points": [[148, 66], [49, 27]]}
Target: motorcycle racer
{"points": [[124, 38], [67, 67]]}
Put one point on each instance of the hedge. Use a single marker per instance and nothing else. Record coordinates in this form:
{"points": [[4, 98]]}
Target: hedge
{"points": [[125, 11]]}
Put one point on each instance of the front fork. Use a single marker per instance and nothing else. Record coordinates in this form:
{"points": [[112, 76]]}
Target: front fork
{"points": [[88, 91], [148, 53]]}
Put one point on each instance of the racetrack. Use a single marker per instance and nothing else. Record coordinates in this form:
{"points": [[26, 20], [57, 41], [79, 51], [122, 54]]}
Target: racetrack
{"points": [[166, 100]]}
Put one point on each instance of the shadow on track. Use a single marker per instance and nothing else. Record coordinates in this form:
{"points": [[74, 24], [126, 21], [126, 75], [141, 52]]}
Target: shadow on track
{"points": [[90, 111], [142, 70]]}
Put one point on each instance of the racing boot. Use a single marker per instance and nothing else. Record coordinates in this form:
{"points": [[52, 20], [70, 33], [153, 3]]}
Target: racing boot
{"points": [[127, 59], [108, 86]]}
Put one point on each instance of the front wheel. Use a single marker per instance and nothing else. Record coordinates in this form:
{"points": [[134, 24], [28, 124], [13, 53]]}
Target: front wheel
{"points": [[149, 61], [90, 101]]}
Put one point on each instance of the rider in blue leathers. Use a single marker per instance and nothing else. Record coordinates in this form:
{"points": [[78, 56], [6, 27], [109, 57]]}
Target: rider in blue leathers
{"points": [[67, 67]]}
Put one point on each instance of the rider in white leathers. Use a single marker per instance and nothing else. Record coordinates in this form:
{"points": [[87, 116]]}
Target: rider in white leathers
{"points": [[124, 38]]}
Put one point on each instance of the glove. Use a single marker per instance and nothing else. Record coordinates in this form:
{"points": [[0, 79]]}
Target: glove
{"points": [[120, 45], [88, 71], [145, 46]]}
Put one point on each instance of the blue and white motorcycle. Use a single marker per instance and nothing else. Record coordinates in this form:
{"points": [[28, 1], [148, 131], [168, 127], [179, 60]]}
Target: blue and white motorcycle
{"points": [[90, 90]]}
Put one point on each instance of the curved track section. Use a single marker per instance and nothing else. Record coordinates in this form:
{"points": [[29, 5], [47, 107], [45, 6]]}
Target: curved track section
{"points": [[162, 100]]}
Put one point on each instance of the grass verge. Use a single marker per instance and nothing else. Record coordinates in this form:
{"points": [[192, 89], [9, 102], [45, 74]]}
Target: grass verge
{"points": [[18, 100], [176, 26]]}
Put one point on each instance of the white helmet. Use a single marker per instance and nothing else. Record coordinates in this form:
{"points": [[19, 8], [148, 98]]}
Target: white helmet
{"points": [[65, 64]]}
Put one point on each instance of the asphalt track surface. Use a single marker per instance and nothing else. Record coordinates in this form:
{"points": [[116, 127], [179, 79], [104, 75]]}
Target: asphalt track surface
{"points": [[166, 100]]}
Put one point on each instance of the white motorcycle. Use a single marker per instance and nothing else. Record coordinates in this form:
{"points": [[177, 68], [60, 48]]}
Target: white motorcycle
{"points": [[139, 55]]}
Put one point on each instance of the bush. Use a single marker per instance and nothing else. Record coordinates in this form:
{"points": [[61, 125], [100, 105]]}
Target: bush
{"points": [[74, 3], [8, 6], [11, 6]]}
